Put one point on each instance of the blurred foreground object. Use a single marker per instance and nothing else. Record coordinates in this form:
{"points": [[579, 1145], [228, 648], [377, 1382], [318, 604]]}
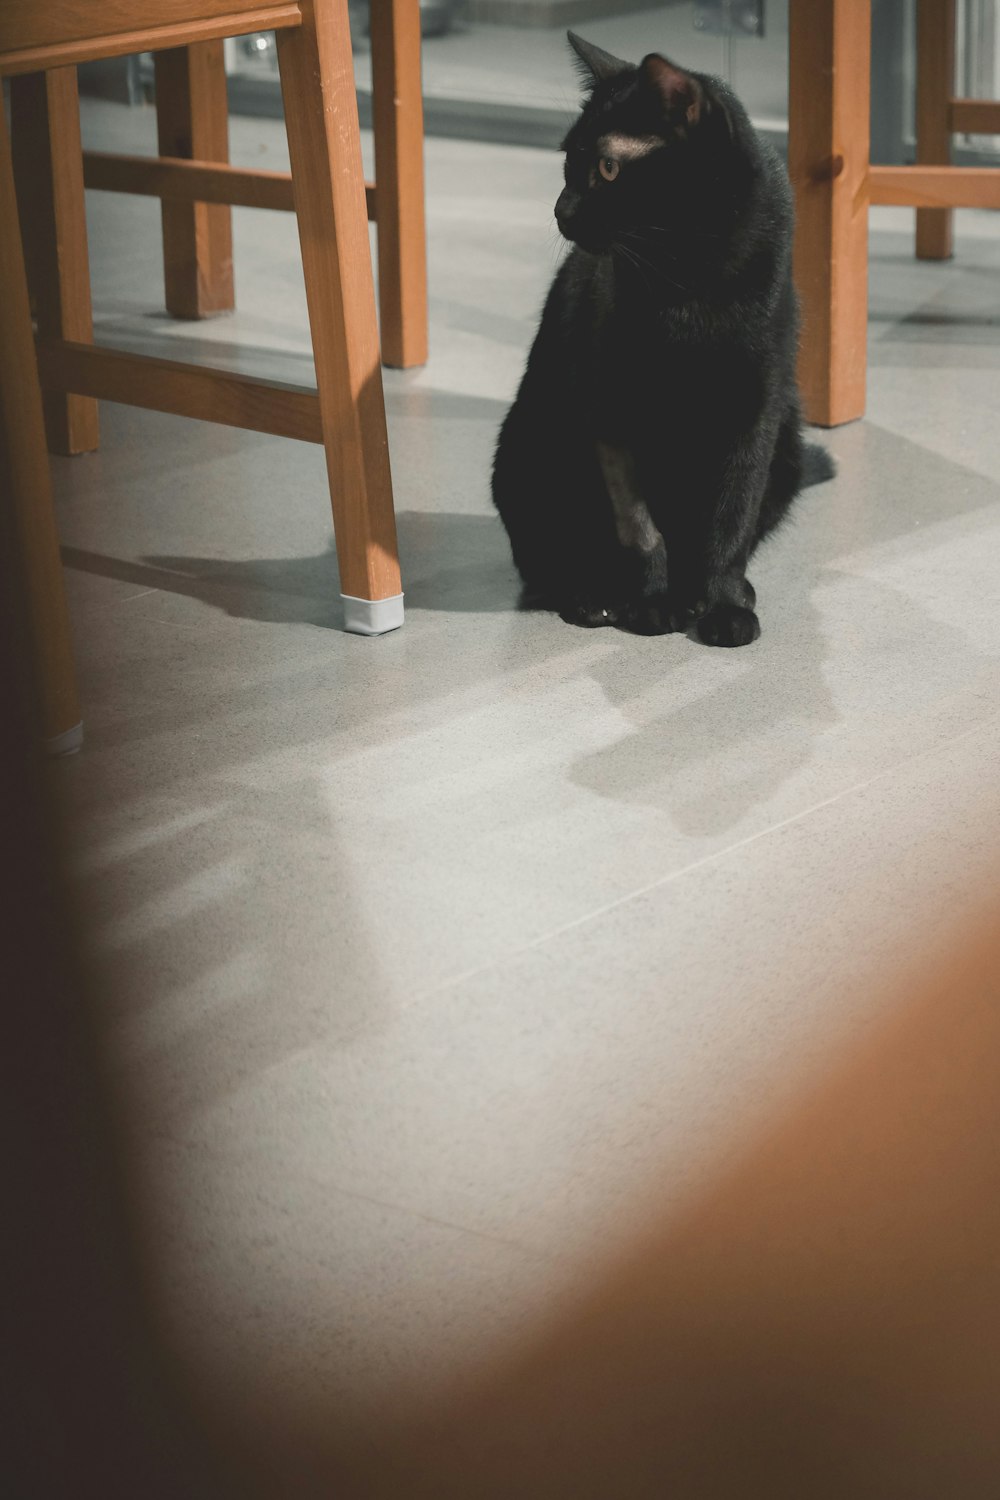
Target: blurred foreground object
{"points": [[825, 1322], [88, 1409]]}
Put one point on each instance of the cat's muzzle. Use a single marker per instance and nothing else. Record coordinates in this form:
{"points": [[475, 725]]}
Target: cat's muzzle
{"points": [[579, 233], [571, 218]]}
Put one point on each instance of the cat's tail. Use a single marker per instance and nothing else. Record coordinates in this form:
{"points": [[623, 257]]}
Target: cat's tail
{"points": [[817, 465]]}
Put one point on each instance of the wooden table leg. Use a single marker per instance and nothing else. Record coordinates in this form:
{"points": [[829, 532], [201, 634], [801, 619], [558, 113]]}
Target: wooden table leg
{"points": [[828, 144], [936, 26], [192, 120], [321, 115], [25, 482], [48, 171], [398, 113]]}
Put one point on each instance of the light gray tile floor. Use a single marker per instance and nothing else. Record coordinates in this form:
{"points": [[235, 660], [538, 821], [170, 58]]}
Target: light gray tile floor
{"points": [[531, 65], [431, 962]]}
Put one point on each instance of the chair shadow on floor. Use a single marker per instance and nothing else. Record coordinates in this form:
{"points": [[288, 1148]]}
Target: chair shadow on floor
{"points": [[451, 563]]}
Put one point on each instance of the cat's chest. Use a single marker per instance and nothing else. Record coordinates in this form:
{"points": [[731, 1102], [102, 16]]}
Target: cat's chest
{"points": [[649, 374], [671, 380]]}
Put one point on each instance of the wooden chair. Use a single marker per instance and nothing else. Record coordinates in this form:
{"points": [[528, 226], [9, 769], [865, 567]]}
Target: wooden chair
{"points": [[192, 123], [40, 47], [828, 158], [940, 115]]}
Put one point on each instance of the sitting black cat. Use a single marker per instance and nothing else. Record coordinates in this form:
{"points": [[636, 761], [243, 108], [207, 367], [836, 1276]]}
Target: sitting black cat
{"points": [[656, 435]]}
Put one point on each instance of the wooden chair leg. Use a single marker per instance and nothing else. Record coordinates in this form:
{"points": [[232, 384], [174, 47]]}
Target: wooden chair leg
{"points": [[48, 171], [399, 180], [321, 116], [936, 22], [828, 146], [25, 482], [192, 121]]}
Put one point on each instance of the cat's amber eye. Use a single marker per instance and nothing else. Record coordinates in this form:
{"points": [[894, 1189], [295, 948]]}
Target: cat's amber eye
{"points": [[609, 168]]}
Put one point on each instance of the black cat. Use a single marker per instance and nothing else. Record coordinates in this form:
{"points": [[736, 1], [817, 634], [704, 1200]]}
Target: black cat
{"points": [[656, 435]]}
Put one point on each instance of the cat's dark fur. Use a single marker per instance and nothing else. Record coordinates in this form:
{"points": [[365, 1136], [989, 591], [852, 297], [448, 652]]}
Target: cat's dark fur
{"points": [[656, 435]]}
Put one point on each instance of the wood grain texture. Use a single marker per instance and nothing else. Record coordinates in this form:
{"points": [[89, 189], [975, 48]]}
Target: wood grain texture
{"points": [[185, 390], [45, 130], [24, 470], [194, 181], [951, 187], [828, 145], [975, 116], [192, 121], [397, 109], [187, 181], [321, 115], [936, 36], [58, 33]]}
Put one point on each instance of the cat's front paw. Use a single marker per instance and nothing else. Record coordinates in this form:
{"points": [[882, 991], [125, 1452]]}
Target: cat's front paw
{"points": [[728, 625], [656, 615], [589, 615]]}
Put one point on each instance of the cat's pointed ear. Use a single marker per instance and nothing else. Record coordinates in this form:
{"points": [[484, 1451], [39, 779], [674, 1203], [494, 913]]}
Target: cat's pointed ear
{"points": [[593, 63], [681, 93]]}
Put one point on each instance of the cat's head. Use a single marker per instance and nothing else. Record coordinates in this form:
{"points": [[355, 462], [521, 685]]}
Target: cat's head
{"points": [[653, 150]]}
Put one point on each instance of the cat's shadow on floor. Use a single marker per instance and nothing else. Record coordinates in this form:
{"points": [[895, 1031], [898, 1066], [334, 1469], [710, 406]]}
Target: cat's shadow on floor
{"points": [[715, 754], [710, 760]]}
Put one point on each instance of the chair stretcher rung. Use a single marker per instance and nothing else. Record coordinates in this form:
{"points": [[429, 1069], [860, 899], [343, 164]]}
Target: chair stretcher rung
{"points": [[178, 179], [183, 390], [935, 187]]}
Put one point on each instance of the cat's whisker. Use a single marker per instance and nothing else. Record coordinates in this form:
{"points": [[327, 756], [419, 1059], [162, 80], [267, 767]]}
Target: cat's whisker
{"points": [[556, 244], [644, 261], [631, 257], [659, 271], [697, 234]]}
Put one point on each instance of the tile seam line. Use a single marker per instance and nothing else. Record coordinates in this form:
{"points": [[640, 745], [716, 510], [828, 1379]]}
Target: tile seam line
{"points": [[439, 1223], [523, 1247], [347, 1037], [706, 859], [352, 1034], [600, 911]]}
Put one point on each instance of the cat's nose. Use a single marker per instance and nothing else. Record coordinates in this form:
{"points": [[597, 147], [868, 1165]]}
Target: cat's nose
{"points": [[566, 204]]}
